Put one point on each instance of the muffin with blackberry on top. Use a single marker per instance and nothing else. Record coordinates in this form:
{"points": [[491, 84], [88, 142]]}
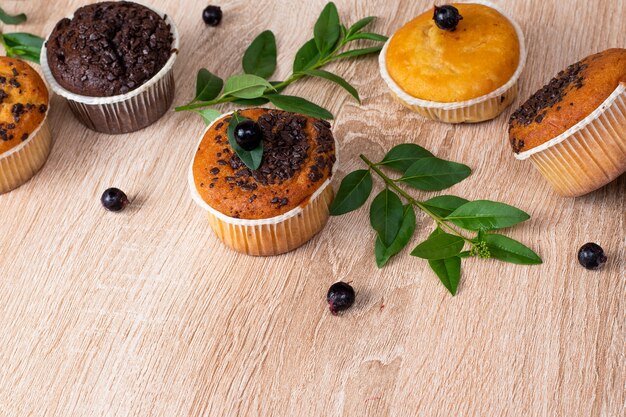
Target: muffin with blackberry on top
{"points": [[282, 204]]}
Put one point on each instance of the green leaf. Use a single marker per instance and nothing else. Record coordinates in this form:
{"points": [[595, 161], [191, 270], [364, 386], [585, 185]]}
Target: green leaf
{"points": [[252, 158], [260, 57], [368, 36], [407, 228], [486, 215], [251, 102], [434, 174], [439, 245], [359, 52], [209, 115], [386, 215], [246, 86], [23, 39], [336, 79], [208, 85], [327, 29], [360, 25], [299, 105], [306, 57], [509, 250], [444, 205], [402, 156], [12, 20], [449, 272], [353, 192]]}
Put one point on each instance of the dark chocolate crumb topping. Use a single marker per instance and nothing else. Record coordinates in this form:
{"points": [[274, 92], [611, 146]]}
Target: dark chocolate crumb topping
{"points": [[549, 95], [14, 83], [286, 148], [17, 110], [3, 95], [109, 48]]}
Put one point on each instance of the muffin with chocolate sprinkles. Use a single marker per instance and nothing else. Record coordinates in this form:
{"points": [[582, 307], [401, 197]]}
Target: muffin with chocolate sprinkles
{"points": [[112, 60], [574, 128], [24, 135], [282, 204]]}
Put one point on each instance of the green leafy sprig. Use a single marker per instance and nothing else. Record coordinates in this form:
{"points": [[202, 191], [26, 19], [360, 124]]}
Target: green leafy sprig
{"points": [[259, 63], [19, 45], [394, 220]]}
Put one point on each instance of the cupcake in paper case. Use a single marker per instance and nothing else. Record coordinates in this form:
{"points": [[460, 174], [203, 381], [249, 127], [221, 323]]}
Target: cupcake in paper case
{"points": [[574, 128], [25, 139], [465, 73], [113, 63], [282, 204]]}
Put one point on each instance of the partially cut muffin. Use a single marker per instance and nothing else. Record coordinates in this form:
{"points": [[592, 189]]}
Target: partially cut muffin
{"points": [[278, 206]]}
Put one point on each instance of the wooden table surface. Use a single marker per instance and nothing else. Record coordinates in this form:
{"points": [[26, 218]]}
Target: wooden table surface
{"points": [[145, 313]]}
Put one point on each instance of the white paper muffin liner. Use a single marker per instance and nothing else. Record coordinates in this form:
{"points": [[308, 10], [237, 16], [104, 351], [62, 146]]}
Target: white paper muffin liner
{"points": [[588, 155], [128, 112], [476, 110], [271, 236], [22, 162]]}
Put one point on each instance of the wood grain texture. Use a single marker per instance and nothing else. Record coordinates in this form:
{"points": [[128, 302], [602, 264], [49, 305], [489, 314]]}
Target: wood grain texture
{"points": [[145, 313]]}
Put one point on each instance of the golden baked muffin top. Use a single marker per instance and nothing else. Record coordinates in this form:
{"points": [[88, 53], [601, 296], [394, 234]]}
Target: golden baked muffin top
{"points": [[567, 99], [480, 56], [299, 153], [23, 102]]}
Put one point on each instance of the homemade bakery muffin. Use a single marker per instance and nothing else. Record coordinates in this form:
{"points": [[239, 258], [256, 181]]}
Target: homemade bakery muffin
{"points": [[113, 61], [283, 203], [25, 139], [574, 128], [465, 74]]}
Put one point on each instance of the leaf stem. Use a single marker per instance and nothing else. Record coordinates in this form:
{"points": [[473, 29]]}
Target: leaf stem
{"points": [[391, 184]]}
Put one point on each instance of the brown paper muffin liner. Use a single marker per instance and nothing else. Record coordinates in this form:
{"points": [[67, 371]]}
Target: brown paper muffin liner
{"points": [[590, 154], [128, 112], [267, 238], [21, 163], [480, 109]]}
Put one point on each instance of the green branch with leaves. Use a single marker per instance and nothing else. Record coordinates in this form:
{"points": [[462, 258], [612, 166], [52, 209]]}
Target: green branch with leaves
{"points": [[259, 63], [19, 45], [394, 220]]}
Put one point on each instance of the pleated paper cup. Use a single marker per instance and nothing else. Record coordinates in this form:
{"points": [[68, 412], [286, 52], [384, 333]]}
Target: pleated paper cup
{"points": [[479, 109], [21, 163], [128, 112], [590, 154], [275, 235]]}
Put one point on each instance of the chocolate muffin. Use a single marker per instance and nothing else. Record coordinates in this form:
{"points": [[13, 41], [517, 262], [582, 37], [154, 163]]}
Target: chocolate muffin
{"points": [[574, 128], [283, 203], [108, 48]]}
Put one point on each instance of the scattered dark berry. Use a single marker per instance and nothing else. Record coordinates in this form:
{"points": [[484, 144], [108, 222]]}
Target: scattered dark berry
{"points": [[248, 135], [212, 15], [340, 297], [447, 17], [591, 256], [114, 199]]}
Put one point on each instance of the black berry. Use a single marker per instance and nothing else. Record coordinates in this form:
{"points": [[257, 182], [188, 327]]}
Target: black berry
{"points": [[447, 17], [114, 199], [212, 15], [248, 135], [591, 256], [340, 297]]}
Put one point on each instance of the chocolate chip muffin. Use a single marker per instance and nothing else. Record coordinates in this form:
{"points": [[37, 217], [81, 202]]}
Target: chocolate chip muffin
{"points": [[108, 48], [283, 203], [574, 128], [24, 136]]}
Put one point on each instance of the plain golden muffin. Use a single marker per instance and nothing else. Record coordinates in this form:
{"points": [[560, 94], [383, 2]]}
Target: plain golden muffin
{"points": [[23, 102], [568, 98], [432, 64], [298, 157]]}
